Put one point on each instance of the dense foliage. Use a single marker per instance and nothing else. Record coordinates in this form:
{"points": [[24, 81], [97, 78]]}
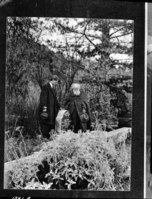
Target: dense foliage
{"points": [[30, 59], [70, 161], [76, 161]]}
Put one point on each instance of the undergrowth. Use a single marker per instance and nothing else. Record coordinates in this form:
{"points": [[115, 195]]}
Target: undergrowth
{"points": [[76, 161], [18, 146]]}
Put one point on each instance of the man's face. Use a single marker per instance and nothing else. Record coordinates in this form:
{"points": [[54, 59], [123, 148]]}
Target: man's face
{"points": [[76, 89], [55, 82]]}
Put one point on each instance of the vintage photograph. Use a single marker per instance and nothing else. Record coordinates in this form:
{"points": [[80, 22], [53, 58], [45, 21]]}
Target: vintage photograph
{"points": [[68, 103]]}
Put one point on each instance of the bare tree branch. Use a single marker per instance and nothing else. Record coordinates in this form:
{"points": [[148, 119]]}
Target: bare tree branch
{"points": [[88, 35], [122, 35], [116, 31], [41, 30], [89, 39]]}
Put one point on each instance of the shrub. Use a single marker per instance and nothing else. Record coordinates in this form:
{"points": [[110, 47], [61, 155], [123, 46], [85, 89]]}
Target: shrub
{"points": [[18, 146], [100, 105], [22, 113], [76, 161]]}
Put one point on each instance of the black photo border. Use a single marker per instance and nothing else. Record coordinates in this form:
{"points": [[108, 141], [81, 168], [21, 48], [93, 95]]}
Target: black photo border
{"points": [[82, 9]]}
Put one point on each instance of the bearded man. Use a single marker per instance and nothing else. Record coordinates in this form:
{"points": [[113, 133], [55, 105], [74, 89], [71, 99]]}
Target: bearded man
{"points": [[77, 105]]}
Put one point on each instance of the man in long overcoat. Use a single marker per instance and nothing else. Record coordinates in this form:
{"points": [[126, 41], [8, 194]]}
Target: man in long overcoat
{"points": [[48, 107], [77, 104]]}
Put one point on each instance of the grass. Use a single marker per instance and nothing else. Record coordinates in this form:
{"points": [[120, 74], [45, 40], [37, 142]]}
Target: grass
{"points": [[19, 147]]}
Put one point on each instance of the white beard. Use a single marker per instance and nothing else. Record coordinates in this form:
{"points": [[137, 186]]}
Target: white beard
{"points": [[76, 92]]}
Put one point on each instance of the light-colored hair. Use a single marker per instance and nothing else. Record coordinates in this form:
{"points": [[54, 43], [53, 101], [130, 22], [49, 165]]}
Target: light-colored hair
{"points": [[76, 88], [76, 85]]}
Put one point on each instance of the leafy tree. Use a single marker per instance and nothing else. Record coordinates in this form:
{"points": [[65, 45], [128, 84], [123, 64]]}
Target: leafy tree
{"points": [[28, 63], [26, 59], [83, 52], [96, 39]]}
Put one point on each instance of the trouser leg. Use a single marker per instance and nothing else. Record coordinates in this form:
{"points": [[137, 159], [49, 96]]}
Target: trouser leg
{"points": [[77, 126], [45, 129], [76, 121]]}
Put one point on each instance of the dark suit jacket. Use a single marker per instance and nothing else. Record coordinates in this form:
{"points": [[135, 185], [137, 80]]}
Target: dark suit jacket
{"points": [[48, 98]]}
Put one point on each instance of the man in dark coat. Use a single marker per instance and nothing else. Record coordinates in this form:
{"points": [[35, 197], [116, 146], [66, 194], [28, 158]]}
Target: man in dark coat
{"points": [[76, 103], [48, 107]]}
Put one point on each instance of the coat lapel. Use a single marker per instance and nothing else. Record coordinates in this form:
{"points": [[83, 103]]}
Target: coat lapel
{"points": [[51, 89]]}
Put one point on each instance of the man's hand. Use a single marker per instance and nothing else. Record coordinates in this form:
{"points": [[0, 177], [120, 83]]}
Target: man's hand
{"points": [[44, 109], [44, 114]]}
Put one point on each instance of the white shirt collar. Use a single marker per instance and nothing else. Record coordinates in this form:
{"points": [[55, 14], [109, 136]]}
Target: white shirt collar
{"points": [[51, 85]]}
